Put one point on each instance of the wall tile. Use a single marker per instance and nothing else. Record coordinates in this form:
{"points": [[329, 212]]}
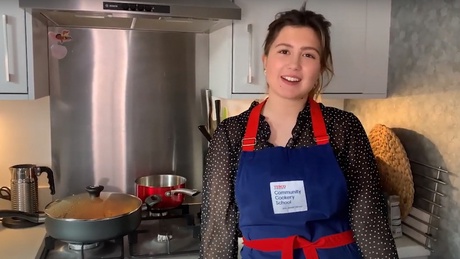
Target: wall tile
{"points": [[424, 99], [25, 136]]}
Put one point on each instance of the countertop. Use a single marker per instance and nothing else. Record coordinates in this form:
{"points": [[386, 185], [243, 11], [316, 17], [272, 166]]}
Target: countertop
{"points": [[407, 248], [20, 243], [25, 243]]}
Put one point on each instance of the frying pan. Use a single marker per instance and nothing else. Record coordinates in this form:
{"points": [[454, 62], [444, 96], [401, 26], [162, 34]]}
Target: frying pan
{"points": [[88, 217]]}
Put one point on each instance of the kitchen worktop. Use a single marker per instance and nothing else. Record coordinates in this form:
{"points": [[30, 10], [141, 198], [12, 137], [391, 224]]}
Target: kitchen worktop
{"points": [[25, 243], [20, 243], [407, 248]]}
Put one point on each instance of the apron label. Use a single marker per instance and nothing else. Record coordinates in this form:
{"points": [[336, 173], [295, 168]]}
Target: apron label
{"points": [[288, 197]]}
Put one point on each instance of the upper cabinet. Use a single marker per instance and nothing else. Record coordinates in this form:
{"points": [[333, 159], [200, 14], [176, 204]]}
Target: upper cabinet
{"points": [[359, 40], [18, 78]]}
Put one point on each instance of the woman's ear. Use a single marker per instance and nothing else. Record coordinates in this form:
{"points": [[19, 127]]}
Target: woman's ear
{"points": [[264, 61]]}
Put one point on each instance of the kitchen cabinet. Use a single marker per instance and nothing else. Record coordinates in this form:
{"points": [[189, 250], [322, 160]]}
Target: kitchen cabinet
{"points": [[360, 47], [20, 54]]}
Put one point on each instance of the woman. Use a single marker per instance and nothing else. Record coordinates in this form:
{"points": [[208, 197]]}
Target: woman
{"points": [[299, 178]]}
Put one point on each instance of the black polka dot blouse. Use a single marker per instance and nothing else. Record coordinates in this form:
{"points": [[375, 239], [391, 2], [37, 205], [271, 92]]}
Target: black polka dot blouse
{"points": [[367, 207]]}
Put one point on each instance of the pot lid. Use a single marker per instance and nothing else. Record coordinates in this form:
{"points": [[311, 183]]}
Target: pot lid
{"points": [[94, 205]]}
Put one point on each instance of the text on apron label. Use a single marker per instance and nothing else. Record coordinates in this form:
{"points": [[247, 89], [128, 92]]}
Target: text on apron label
{"points": [[288, 197]]}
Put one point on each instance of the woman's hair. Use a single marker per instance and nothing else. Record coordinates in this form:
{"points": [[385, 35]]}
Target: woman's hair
{"points": [[317, 22]]}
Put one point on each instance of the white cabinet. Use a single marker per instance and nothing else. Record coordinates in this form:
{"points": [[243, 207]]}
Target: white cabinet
{"points": [[360, 47], [17, 60], [248, 38], [236, 51]]}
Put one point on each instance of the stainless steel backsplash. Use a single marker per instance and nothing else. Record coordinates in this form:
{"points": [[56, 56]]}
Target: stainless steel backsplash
{"points": [[125, 104]]}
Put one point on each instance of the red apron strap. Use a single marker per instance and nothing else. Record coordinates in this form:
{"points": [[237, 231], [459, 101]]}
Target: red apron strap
{"points": [[319, 127], [287, 251], [249, 140], [287, 245]]}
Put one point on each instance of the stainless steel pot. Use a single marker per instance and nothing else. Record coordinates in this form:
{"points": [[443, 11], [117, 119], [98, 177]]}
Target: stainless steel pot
{"points": [[88, 217]]}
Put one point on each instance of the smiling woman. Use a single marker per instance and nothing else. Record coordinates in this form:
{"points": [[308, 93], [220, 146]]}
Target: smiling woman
{"points": [[293, 63], [296, 178], [289, 43]]}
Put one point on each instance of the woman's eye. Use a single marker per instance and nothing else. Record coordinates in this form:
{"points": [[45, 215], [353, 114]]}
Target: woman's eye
{"points": [[283, 51], [309, 55]]}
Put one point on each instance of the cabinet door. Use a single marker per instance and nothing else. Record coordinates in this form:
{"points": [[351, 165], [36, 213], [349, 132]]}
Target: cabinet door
{"points": [[248, 38], [348, 43], [13, 65]]}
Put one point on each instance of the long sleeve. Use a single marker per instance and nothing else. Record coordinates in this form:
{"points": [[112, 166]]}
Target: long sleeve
{"points": [[351, 146], [219, 213], [367, 204]]}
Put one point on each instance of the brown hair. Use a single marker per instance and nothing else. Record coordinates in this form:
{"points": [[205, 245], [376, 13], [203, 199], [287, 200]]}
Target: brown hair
{"points": [[317, 22]]}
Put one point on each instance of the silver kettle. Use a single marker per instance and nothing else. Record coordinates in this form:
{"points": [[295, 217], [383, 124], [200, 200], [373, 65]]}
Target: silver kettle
{"points": [[24, 186]]}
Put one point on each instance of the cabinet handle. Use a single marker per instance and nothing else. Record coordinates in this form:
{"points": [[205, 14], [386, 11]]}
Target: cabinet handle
{"points": [[5, 39], [251, 54]]}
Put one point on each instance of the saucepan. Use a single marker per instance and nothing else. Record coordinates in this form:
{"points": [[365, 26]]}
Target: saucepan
{"points": [[88, 217], [163, 192]]}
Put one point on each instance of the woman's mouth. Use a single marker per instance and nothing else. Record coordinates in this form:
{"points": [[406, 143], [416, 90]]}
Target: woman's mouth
{"points": [[291, 79]]}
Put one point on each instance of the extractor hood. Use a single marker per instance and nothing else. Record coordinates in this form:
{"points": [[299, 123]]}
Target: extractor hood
{"points": [[200, 16]]}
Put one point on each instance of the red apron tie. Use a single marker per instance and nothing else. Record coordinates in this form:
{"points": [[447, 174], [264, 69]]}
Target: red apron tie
{"points": [[288, 244]]}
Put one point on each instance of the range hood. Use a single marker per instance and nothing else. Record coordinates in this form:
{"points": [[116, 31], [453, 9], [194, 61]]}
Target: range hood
{"points": [[199, 16]]}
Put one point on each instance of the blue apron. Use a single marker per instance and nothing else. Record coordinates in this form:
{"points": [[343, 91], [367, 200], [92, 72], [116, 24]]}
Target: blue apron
{"points": [[293, 201]]}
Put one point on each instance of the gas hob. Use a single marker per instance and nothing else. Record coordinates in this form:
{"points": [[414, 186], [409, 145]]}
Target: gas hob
{"points": [[174, 234]]}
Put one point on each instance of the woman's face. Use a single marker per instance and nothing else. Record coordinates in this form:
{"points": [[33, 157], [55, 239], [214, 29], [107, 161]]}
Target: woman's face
{"points": [[293, 63]]}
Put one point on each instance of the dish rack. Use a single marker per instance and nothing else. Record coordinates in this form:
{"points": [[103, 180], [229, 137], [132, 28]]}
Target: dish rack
{"points": [[423, 221]]}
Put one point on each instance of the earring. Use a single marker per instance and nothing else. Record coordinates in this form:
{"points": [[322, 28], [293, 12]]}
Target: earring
{"points": [[317, 83], [265, 71]]}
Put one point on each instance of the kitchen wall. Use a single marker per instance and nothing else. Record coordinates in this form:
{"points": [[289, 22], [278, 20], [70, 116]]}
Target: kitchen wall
{"points": [[424, 99], [24, 135]]}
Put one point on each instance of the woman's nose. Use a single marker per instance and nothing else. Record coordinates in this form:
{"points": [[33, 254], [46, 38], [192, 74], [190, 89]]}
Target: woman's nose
{"points": [[294, 62]]}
